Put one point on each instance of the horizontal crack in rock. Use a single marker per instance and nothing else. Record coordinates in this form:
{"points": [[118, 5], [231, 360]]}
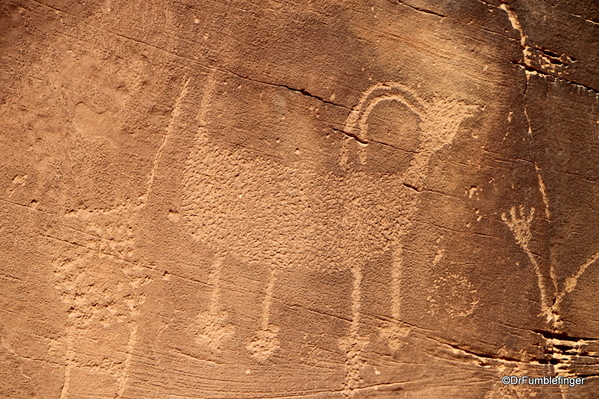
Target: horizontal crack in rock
{"points": [[424, 10], [530, 68], [353, 136]]}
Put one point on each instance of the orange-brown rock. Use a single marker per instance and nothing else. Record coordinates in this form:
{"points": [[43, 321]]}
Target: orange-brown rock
{"points": [[315, 199]]}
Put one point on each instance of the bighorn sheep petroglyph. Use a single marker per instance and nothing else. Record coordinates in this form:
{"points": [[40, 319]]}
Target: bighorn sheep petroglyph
{"points": [[257, 210]]}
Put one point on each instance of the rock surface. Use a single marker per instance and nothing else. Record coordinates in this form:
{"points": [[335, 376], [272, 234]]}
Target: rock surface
{"points": [[315, 199]]}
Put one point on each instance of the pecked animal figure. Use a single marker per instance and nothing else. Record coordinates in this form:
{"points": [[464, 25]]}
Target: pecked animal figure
{"points": [[257, 210]]}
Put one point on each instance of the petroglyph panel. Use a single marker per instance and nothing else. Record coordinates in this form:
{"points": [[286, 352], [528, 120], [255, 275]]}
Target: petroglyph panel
{"points": [[235, 200], [261, 212]]}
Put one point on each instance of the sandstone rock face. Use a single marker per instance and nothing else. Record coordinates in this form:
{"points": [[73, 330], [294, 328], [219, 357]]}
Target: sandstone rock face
{"points": [[315, 199]]}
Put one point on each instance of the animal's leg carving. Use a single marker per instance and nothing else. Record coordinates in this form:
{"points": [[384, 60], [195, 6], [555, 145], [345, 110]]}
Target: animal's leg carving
{"points": [[353, 345], [265, 343], [210, 328]]}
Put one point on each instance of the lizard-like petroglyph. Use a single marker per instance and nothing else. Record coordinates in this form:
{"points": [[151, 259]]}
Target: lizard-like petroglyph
{"points": [[258, 211], [539, 62], [519, 222]]}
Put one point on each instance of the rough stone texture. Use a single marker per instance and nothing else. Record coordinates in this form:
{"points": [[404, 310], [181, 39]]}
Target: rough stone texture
{"points": [[311, 199]]}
